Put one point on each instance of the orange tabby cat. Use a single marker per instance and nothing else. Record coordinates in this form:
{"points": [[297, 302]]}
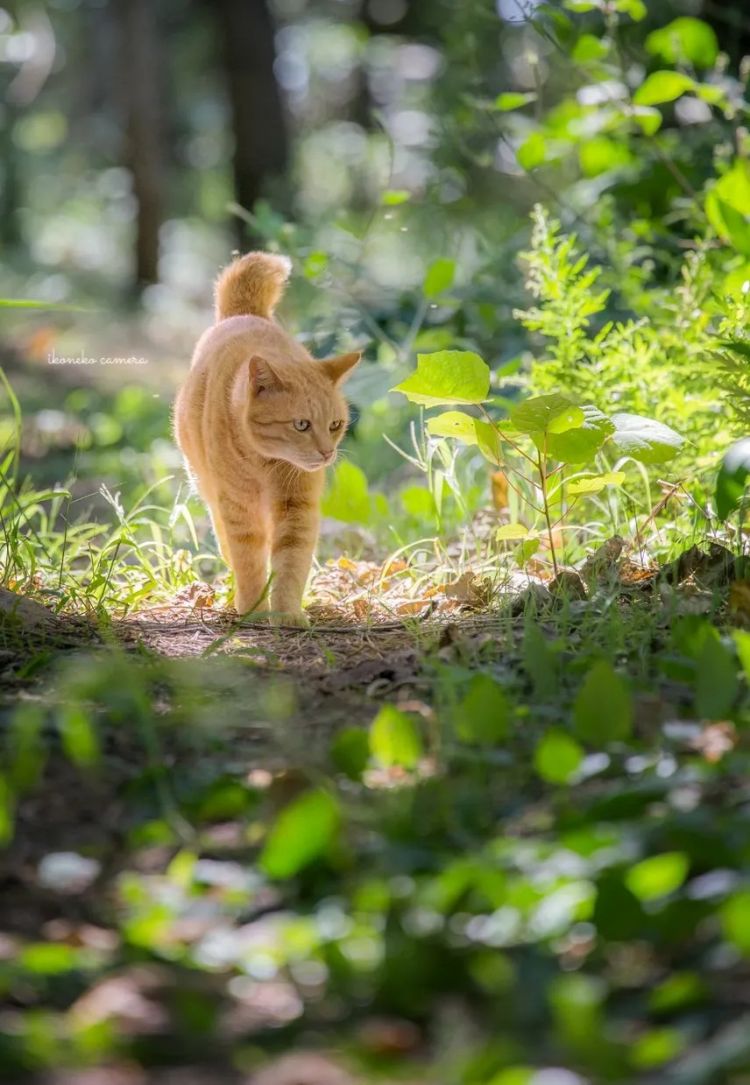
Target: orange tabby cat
{"points": [[257, 420]]}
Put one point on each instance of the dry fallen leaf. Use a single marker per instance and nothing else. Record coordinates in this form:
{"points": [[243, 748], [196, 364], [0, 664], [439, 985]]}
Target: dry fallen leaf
{"points": [[470, 589]]}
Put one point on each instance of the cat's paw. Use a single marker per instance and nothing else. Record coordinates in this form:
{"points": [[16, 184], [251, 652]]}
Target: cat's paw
{"points": [[296, 618]]}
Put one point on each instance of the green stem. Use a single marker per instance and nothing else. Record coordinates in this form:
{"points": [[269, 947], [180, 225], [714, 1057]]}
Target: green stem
{"points": [[542, 465]]}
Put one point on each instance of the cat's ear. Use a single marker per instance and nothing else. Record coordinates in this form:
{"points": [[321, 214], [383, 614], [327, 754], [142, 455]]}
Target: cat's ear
{"points": [[338, 369], [262, 377]]}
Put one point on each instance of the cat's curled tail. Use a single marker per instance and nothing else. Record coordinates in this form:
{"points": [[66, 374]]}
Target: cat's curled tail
{"points": [[251, 285]]}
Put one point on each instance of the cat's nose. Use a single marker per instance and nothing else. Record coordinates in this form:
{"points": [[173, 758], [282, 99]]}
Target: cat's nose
{"points": [[327, 454]]}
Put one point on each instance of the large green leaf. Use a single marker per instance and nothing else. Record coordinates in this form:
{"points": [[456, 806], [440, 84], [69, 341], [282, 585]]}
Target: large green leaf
{"points": [[483, 716], [728, 206], [661, 87], [544, 415], [557, 756], [658, 875], [581, 443], [732, 478], [394, 739], [513, 100], [448, 376], [645, 439], [471, 431], [684, 41], [603, 710], [300, 834], [348, 497]]}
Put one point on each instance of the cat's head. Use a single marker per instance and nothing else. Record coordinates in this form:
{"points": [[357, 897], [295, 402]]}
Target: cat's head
{"points": [[298, 414]]}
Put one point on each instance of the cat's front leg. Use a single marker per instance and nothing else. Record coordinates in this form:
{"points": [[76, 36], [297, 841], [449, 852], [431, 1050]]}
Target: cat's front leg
{"points": [[246, 536], [295, 533]]}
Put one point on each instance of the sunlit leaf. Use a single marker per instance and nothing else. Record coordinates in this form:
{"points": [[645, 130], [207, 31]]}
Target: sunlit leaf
{"points": [[471, 431], [661, 87], [735, 918], [645, 439], [728, 206], [684, 41], [594, 484], [557, 756], [532, 151], [603, 709], [589, 47], [392, 197], [300, 834], [513, 100], [658, 875], [580, 444], [448, 376], [547, 414], [395, 739], [511, 532]]}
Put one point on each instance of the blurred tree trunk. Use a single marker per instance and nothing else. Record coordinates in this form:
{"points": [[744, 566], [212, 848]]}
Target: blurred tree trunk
{"points": [[261, 146], [139, 82]]}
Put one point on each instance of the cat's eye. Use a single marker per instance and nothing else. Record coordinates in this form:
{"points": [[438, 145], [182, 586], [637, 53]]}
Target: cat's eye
{"points": [[301, 424], [336, 426]]}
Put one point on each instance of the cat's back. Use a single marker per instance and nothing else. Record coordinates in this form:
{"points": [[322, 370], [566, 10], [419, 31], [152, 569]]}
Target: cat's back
{"points": [[235, 340]]}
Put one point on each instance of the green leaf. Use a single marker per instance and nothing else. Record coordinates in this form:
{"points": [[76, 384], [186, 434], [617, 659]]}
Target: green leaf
{"points": [[483, 716], [663, 86], [684, 41], [600, 154], [557, 757], [594, 484], [547, 414], [741, 640], [439, 277], [532, 151], [392, 197], [300, 834], [728, 206], [732, 478], [636, 9], [730, 223], [526, 551], [644, 438], [513, 100], [735, 919], [658, 875], [350, 752], [471, 431], [348, 497], [581, 443], [647, 118], [79, 738], [511, 533], [394, 739], [603, 709], [716, 682], [315, 264], [448, 376], [7, 811], [589, 47]]}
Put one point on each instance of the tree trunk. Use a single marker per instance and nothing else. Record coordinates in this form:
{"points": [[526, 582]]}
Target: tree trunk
{"points": [[139, 82], [258, 121]]}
